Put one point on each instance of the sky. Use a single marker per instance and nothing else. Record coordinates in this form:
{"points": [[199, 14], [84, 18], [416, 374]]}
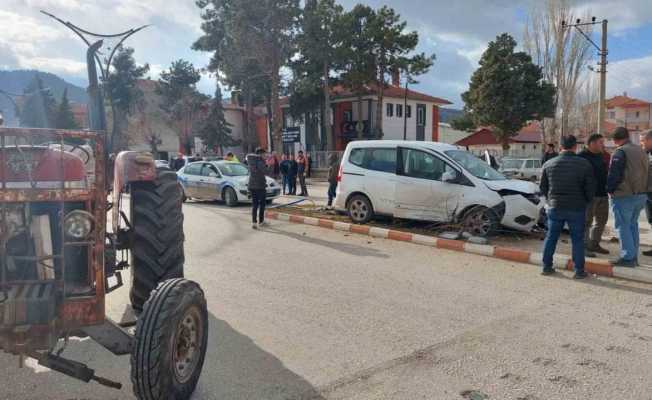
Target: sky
{"points": [[456, 31]]}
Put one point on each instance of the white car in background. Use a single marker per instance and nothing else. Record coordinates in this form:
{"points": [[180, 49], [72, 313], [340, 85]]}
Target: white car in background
{"points": [[522, 168], [220, 180], [432, 182]]}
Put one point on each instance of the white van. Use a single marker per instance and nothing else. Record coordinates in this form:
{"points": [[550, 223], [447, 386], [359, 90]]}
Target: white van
{"points": [[433, 182], [521, 168]]}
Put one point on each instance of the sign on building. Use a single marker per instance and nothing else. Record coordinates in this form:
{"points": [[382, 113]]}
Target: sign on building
{"points": [[292, 134]]}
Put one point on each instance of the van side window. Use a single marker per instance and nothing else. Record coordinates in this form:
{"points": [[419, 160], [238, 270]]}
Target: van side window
{"points": [[418, 164], [381, 160], [529, 164], [357, 157]]}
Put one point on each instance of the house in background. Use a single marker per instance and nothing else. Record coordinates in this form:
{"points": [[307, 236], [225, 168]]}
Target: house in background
{"points": [[421, 114], [633, 114], [527, 143]]}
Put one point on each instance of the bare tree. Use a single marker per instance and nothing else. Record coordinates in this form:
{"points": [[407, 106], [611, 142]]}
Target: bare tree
{"points": [[585, 119], [563, 54]]}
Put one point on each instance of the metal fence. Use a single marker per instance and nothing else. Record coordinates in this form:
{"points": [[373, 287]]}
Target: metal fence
{"points": [[320, 159]]}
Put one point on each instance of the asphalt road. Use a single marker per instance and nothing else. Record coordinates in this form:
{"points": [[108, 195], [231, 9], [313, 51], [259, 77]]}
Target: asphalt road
{"points": [[298, 312]]}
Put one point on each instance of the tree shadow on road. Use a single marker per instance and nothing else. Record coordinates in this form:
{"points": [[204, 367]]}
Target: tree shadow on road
{"points": [[237, 368], [351, 249]]}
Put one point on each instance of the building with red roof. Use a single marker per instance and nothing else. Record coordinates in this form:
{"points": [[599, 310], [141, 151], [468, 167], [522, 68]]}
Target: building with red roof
{"points": [[526, 143], [417, 112]]}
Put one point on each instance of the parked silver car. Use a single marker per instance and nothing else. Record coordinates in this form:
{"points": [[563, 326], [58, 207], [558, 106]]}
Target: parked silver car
{"points": [[220, 180]]}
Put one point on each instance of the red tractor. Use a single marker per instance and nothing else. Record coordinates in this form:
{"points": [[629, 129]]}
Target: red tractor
{"points": [[58, 260]]}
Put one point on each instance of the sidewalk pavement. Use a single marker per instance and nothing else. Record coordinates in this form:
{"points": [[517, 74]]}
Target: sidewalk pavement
{"points": [[561, 261]]}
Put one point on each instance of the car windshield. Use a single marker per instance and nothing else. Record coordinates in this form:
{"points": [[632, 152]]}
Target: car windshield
{"points": [[233, 169], [512, 164], [475, 166]]}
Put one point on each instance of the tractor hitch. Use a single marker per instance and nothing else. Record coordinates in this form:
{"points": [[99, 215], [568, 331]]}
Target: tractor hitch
{"points": [[73, 369]]}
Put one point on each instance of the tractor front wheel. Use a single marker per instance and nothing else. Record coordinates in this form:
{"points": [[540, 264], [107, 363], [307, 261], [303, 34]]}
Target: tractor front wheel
{"points": [[171, 339], [157, 244]]}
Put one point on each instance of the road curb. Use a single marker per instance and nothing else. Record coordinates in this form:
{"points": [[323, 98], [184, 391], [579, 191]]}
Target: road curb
{"points": [[592, 265]]}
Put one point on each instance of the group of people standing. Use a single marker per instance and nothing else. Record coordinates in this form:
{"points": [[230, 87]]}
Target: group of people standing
{"points": [[292, 168], [580, 188]]}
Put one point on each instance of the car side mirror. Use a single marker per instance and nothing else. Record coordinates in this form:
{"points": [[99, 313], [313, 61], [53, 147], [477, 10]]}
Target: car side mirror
{"points": [[449, 177]]}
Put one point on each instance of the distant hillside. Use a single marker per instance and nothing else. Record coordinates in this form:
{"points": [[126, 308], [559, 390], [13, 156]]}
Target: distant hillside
{"points": [[448, 114], [17, 81]]}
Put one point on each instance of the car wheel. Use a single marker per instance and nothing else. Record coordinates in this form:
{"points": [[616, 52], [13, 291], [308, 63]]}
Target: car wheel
{"points": [[230, 198], [480, 221], [360, 209]]}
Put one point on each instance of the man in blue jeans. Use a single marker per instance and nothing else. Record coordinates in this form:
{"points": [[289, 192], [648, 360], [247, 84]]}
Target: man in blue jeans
{"points": [[627, 184], [568, 183]]}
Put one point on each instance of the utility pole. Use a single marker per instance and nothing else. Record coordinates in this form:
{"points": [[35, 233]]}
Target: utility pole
{"points": [[603, 78], [602, 52]]}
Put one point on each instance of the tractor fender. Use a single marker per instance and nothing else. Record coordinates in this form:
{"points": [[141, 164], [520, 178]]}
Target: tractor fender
{"points": [[129, 167]]}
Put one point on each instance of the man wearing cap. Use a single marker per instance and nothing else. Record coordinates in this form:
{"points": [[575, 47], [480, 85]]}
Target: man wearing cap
{"points": [[627, 189]]}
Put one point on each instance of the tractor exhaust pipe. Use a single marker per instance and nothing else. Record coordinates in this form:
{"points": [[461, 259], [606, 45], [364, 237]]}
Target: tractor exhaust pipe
{"points": [[73, 369]]}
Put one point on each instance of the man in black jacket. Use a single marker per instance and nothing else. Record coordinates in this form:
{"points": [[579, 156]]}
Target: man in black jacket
{"points": [[568, 185], [257, 187], [598, 209], [549, 154]]}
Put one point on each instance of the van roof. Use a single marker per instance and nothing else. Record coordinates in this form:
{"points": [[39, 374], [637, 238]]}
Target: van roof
{"points": [[395, 143]]}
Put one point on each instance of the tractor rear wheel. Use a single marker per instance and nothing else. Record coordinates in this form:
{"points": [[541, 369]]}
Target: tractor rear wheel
{"points": [[157, 245], [171, 339]]}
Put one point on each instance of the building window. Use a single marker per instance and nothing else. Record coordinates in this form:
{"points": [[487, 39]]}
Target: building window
{"points": [[408, 111], [421, 116], [390, 109], [611, 115], [399, 110], [638, 114], [348, 116]]}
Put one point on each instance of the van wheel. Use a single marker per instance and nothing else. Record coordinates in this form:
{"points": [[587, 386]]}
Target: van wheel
{"points": [[480, 221], [360, 210]]}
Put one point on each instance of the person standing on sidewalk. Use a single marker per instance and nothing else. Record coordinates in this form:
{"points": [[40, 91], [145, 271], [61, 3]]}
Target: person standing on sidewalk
{"points": [[597, 213], [292, 175], [549, 154], [627, 187], [257, 187], [647, 144], [302, 167], [568, 185], [333, 170], [284, 168]]}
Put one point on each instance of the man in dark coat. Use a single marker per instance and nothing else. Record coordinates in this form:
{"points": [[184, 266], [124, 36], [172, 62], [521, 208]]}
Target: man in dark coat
{"points": [[257, 187], [284, 169], [549, 154], [567, 183], [333, 170], [293, 170], [598, 209], [178, 162]]}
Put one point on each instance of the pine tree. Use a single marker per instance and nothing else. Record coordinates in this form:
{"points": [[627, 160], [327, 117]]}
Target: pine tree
{"points": [[65, 119], [39, 107], [508, 90], [123, 92], [215, 130]]}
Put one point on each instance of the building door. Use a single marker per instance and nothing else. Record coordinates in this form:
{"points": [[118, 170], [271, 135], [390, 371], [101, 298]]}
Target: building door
{"points": [[421, 122]]}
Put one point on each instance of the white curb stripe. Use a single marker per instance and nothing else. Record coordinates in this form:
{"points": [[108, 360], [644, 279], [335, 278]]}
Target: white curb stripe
{"points": [[283, 217], [424, 240], [341, 226], [640, 274], [311, 221], [480, 249], [379, 232]]}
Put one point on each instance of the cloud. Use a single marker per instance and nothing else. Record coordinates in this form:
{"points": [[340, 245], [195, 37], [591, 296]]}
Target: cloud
{"points": [[631, 76]]}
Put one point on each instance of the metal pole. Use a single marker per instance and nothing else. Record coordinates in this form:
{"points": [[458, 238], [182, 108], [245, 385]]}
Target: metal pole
{"points": [[407, 81], [603, 78]]}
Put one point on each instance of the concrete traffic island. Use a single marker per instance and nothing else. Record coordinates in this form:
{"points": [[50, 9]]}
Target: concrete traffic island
{"points": [[561, 261]]}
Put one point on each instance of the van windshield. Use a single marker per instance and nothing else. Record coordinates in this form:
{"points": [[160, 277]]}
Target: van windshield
{"points": [[475, 166]]}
